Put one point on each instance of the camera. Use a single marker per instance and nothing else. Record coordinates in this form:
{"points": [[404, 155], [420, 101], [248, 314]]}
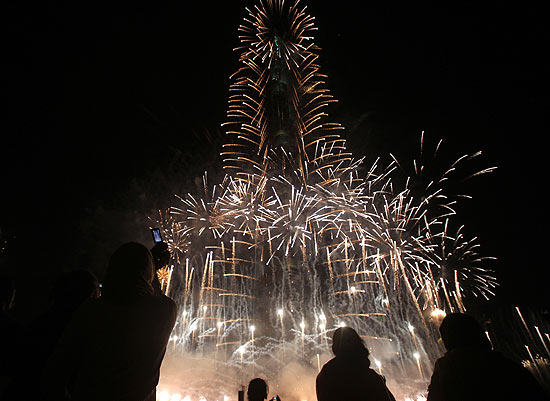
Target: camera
{"points": [[156, 235]]}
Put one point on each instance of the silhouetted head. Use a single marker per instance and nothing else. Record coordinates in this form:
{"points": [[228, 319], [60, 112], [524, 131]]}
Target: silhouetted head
{"points": [[347, 343], [73, 288], [257, 390], [7, 293], [130, 273], [460, 330]]}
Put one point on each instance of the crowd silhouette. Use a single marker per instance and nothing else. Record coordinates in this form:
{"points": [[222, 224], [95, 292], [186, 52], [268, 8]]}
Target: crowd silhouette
{"points": [[106, 344], [91, 347]]}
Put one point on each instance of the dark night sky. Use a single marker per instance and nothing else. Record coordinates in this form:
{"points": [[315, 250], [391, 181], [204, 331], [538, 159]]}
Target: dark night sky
{"points": [[109, 103]]}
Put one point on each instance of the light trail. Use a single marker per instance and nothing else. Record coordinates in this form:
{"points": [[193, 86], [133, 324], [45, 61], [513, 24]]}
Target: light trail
{"points": [[299, 225]]}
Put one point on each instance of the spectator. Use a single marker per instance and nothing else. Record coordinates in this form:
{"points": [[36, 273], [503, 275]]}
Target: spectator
{"points": [[69, 292], [257, 390], [471, 370], [348, 376], [114, 346]]}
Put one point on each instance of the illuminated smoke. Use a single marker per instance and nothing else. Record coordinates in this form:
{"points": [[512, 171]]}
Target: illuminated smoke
{"points": [[298, 240]]}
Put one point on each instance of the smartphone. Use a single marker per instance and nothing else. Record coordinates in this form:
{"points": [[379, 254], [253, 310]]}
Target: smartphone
{"points": [[156, 235]]}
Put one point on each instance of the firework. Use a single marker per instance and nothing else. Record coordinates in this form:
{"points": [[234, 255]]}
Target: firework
{"points": [[294, 240]]}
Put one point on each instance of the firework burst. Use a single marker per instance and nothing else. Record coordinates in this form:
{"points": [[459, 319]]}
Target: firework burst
{"points": [[293, 232]]}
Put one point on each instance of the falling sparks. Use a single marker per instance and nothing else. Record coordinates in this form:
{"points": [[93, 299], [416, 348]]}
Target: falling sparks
{"points": [[299, 226]]}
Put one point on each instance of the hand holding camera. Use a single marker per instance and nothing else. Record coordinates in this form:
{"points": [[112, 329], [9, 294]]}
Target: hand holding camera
{"points": [[160, 252]]}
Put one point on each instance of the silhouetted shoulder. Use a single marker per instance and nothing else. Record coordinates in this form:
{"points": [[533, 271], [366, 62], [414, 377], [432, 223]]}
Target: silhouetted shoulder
{"points": [[329, 366], [341, 379], [164, 302], [484, 375], [171, 306]]}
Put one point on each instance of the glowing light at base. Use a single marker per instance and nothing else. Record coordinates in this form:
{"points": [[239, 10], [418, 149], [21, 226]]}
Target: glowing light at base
{"points": [[165, 396], [300, 238]]}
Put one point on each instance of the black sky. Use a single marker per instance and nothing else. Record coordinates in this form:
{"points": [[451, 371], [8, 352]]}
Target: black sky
{"points": [[103, 99]]}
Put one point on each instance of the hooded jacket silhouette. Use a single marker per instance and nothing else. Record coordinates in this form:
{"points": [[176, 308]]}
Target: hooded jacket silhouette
{"points": [[471, 370], [348, 376], [113, 348]]}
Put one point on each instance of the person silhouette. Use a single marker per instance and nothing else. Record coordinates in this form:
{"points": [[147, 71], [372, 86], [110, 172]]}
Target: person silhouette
{"points": [[70, 290], [471, 370], [114, 346], [348, 376], [257, 390]]}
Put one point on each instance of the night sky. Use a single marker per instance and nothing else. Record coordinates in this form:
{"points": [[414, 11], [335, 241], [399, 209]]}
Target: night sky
{"points": [[113, 108]]}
